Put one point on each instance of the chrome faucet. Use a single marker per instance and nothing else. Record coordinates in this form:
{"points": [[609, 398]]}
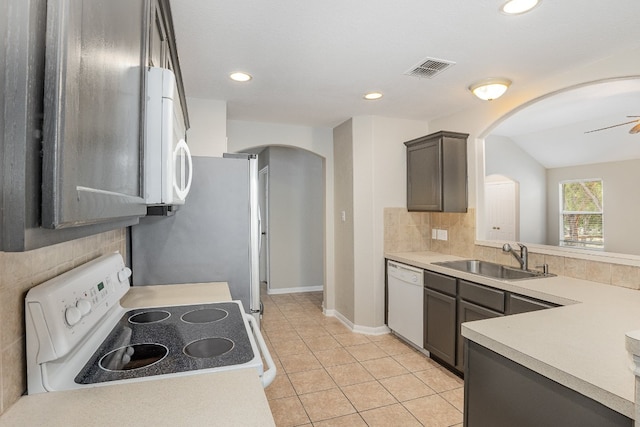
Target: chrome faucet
{"points": [[523, 258]]}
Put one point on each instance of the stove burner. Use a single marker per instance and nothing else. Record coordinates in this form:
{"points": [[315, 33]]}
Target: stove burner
{"points": [[132, 351], [208, 347], [204, 315], [149, 317], [133, 357]]}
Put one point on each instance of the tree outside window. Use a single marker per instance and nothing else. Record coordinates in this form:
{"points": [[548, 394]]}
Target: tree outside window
{"points": [[582, 214]]}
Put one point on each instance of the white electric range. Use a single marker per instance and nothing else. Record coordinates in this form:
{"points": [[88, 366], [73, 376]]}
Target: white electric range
{"points": [[79, 335]]}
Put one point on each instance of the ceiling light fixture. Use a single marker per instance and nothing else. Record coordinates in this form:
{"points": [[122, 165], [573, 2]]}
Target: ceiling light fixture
{"points": [[372, 96], [240, 76], [489, 89], [516, 7]]}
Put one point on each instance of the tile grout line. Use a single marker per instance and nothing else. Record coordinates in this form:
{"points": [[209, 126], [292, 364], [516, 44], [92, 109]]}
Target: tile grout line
{"points": [[289, 317]]}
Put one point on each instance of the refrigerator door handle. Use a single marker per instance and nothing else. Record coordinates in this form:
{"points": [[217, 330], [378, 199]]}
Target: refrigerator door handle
{"points": [[255, 236], [260, 232]]}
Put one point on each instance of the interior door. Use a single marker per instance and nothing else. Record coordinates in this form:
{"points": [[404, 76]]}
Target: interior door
{"points": [[502, 200]]}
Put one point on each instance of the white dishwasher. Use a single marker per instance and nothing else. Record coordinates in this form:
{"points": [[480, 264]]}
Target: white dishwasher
{"points": [[406, 297]]}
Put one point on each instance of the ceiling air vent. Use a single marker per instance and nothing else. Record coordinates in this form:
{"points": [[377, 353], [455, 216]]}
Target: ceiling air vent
{"points": [[429, 68]]}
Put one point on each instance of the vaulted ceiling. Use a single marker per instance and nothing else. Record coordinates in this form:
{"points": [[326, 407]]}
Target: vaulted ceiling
{"points": [[579, 126]]}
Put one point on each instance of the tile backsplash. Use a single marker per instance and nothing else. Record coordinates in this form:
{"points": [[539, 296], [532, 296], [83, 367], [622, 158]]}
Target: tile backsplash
{"points": [[403, 231], [406, 231], [411, 231], [19, 272]]}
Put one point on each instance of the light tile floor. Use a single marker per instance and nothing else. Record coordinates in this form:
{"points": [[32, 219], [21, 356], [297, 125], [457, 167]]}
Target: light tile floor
{"points": [[330, 376]]}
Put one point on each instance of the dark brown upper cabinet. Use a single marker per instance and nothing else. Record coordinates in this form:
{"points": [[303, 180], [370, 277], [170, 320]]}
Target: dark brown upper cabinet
{"points": [[73, 90], [94, 92], [437, 172]]}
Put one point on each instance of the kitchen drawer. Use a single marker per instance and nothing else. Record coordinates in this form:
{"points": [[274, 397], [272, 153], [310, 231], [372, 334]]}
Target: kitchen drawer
{"points": [[521, 304], [482, 295], [440, 282]]}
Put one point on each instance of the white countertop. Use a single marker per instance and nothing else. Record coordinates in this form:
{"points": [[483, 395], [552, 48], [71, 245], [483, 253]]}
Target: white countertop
{"points": [[580, 345], [184, 294], [227, 398], [222, 399]]}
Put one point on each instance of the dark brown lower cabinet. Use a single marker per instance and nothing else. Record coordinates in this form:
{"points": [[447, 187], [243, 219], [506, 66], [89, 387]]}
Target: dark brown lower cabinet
{"points": [[468, 312], [449, 302], [440, 325], [499, 392]]}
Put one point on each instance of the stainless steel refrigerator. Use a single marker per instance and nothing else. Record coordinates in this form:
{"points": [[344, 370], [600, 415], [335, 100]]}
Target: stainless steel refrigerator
{"points": [[213, 237]]}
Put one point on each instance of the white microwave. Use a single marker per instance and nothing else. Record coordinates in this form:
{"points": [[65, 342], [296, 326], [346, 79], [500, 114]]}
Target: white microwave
{"points": [[167, 159]]}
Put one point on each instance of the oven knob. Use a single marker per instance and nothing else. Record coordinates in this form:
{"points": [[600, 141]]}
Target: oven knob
{"points": [[72, 315], [84, 306], [124, 274]]}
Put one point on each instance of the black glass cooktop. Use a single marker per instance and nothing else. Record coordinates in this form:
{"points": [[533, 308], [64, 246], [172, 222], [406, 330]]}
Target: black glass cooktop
{"points": [[166, 340]]}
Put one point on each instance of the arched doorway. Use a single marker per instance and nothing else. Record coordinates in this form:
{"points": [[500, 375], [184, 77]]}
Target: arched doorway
{"points": [[291, 191]]}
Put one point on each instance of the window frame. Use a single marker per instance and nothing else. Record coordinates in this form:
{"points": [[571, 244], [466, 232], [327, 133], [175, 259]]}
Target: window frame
{"points": [[562, 212]]}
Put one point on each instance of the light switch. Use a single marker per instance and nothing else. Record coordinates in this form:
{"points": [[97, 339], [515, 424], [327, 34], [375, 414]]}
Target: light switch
{"points": [[442, 235], [343, 216]]}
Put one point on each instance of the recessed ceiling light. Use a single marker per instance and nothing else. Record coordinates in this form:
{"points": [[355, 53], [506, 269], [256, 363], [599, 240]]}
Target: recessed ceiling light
{"points": [[240, 76], [516, 7], [372, 96], [489, 89]]}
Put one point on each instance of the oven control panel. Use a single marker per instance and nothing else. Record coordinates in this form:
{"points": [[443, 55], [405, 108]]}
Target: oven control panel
{"points": [[85, 302], [63, 310]]}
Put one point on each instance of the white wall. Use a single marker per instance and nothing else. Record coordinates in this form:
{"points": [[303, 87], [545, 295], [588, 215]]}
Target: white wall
{"points": [[379, 181], [621, 201], [245, 135], [242, 135], [296, 219], [344, 238], [364, 233], [503, 157], [207, 135]]}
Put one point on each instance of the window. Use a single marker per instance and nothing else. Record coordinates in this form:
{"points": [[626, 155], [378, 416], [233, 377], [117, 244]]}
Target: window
{"points": [[581, 223]]}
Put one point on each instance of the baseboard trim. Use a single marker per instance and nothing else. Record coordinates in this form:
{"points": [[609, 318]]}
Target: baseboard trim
{"points": [[365, 330], [340, 317], [371, 330], [295, 290]]}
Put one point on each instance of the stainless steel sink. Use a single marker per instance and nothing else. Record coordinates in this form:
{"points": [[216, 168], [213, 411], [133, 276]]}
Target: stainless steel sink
{"points": [[490, 269]]}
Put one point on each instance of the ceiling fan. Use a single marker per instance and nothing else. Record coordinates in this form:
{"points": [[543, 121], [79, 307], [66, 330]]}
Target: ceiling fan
{"points": [[634, 129]]}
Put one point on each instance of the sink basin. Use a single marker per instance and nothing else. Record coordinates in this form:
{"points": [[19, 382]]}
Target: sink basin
{"points": [[490, 269]]}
